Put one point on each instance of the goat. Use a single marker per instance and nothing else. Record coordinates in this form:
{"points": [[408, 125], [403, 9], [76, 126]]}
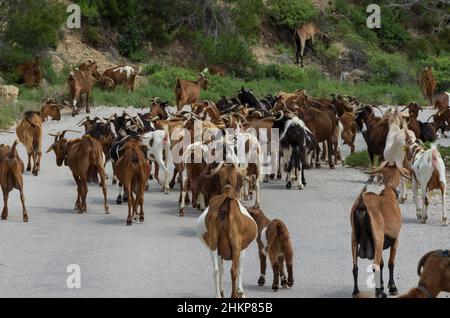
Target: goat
{"points": [[423, 131], [227, 229], [132, 171], [376, 131], [11, 171], [376, 221], [442, 102], [429, 174], [274, 241], [122, 75], [157, 144], [213, 179], [30, 73], [304, 33], [434, 272], [296, 142], [428, 84], [29, 132], [86, 160], [399, 138], [188, 92], [80, 83]]}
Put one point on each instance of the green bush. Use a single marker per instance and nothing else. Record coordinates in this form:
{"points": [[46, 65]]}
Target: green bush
{"points": [[33, 25], [227, 49], [393, 33], [292, 13], [391, 68]]}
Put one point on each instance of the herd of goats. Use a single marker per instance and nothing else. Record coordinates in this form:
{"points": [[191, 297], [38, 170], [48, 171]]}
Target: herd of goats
{"points": [[144, 147]]}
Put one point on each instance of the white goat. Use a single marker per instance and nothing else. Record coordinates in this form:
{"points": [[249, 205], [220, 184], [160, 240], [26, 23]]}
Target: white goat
{"points": [[429, 174], [397, 141], [158, 149]]}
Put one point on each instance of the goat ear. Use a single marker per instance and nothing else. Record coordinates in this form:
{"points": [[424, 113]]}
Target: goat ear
{"points": [[405, 173]]}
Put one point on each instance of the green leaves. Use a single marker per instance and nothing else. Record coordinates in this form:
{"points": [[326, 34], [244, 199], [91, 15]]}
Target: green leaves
{"points": [[291, 13]]}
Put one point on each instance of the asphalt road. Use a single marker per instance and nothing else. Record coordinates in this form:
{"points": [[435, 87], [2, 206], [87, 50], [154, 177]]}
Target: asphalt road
{"points": [[164, 258]]}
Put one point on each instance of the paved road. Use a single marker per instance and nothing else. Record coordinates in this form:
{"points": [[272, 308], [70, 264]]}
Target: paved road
{"points": [[164, 258]]}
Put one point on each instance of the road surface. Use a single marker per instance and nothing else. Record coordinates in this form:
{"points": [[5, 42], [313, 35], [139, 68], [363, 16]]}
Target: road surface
{"points": [[164, 258]]}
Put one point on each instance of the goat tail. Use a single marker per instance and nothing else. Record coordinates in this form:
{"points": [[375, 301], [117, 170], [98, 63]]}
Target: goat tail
{"points": [[12, 152], [363, 228], [282, 230]]}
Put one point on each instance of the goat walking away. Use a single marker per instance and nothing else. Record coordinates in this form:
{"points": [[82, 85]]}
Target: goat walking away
{"points": [[11, 171], [376, 221], [29, 132], [227, 229], [86, 160], [274, 241], [132, 171], [434, 272], [429, 174]]}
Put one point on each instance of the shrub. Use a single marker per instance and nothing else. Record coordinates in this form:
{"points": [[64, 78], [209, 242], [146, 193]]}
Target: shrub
{"points": [[33, 25], [291, 13], [390, 68]]}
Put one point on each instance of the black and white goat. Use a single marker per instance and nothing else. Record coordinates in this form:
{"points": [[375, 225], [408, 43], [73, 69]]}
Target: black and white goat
{"points": [[296, 142]]}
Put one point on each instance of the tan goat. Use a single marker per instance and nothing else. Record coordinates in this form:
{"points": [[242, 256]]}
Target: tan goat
{"points": [[11, 170], [227, 229], [29, 132]]}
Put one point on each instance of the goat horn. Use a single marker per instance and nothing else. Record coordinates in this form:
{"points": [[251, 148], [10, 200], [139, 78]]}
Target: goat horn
{"points": [[430, 117], [377, 107], [280, 117], [404, 108], [131, 118], [379, 168], [215, 171], [83, 121], [7, 131]]}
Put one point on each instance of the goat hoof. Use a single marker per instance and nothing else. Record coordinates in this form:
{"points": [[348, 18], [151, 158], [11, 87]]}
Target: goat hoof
{"points": [[28, 168], [379, 293], [129, 222], [444, 221], [355, 294], [119, 200], [147, 187], [261, 281], [274, 287], [289, 185], [4, 216], [393, 291], [181, 213], [25, 218], [151, 177], [107, 211], [284, 283], [290, 283], [317, 165], [301, 186], [114, 182], [125, 199]]}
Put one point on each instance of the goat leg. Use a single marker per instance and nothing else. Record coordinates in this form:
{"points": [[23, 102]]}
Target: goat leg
{"points": [[5, 204], [262, 265]]}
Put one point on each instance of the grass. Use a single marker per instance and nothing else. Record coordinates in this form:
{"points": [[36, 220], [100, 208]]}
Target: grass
{"points": [[358, 159], [160, 81]]}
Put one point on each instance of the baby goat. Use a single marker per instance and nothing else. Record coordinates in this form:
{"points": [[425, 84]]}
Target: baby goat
{"points": [[273, 241]]}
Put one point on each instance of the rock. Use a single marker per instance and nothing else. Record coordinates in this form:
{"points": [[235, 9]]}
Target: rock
{"points": [[8, 94], [354, 76]]}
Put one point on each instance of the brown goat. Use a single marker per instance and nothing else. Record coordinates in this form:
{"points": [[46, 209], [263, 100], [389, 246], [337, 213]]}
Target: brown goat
{"points": [[188, 92], [80, 83], [423, 131], [213, 179], [11, 171], [29, 132], [30, 73], [428, 84], [434, 272], [227, 229], [85, 158], [376, 221], [132, 171], [442, 102], [274, 241]]}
